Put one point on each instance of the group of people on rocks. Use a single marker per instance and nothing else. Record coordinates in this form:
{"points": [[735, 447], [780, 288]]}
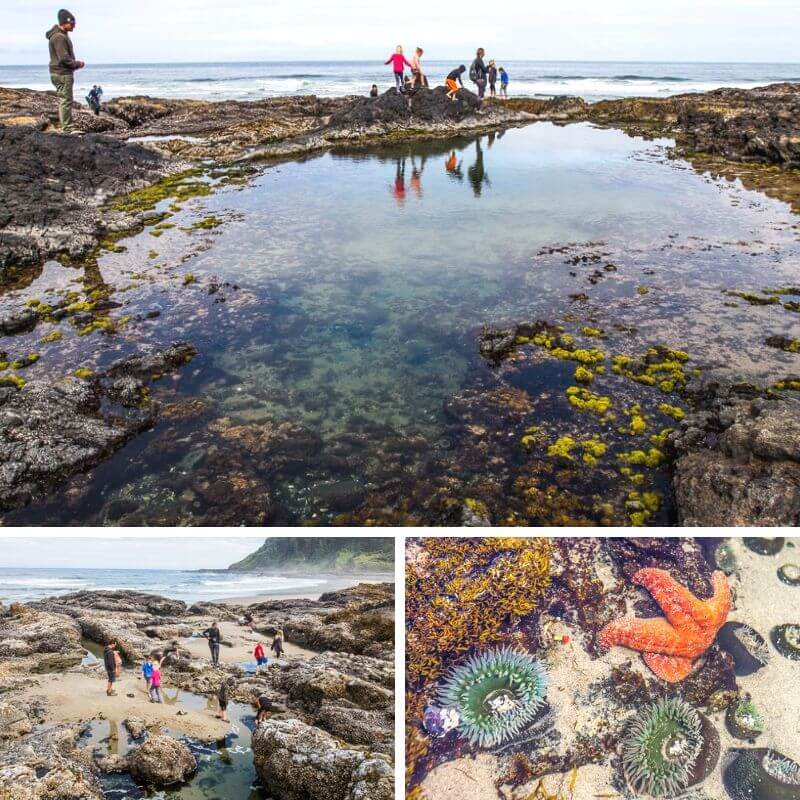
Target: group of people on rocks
{"points": [[151, 670], [481, 73]]}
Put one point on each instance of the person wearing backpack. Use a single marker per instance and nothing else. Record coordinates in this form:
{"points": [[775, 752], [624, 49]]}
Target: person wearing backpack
{"points": [[478, 72]]}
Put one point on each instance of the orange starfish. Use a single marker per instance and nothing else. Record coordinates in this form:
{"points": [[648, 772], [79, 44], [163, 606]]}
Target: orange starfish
{"points": [[670, 645]]}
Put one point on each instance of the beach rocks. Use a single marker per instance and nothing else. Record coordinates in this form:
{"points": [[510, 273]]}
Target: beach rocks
{"points": [[161, 761], [31, 631], [298, 762], [136, 727], [14, 721], [54, 186], [48, 764], [50, 431], [739, 460]]}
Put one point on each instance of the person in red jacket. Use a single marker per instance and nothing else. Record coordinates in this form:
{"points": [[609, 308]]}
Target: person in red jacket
{"points": [[399, 62], [260, 656]]}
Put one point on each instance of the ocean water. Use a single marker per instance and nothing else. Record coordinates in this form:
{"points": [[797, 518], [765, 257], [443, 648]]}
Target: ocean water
{"points": [[25, 585], [364, 279], [250, 81]]}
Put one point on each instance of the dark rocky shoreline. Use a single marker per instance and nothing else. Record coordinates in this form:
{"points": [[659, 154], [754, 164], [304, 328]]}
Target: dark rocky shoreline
{"points": [[334, 711]]}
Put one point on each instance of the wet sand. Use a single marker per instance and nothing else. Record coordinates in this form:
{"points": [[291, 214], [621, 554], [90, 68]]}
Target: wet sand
{"points": [[77, 697], [243, 641]]}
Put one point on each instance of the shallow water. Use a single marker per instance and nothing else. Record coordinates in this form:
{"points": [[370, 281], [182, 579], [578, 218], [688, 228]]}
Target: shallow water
{"points": [[363, 279], [225, 768]]}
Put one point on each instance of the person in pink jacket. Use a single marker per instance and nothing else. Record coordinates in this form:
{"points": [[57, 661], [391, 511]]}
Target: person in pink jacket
{"points": [[399, 62]]}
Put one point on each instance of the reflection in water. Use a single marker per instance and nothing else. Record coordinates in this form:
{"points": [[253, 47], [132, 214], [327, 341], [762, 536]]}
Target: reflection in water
{"points": [[354, 324], [477, 172]]}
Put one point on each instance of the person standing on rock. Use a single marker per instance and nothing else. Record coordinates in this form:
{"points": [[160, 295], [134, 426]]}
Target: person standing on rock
{"points": [[478, 72], [503, 83], [110, 663], [417, 75], [277, 643], [492, 79], [399, 63], [63, 66], [214, 637]]}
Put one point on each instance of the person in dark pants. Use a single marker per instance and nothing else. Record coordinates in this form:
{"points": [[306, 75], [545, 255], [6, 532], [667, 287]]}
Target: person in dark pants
{"points": [[63, 66], [214, 638], [492, 79], [478, 72], [222, 698], [110, 663]]}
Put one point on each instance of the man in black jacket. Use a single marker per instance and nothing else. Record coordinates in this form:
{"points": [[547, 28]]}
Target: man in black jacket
{"points": [[478, 72], [63, 65], [214, 637]]}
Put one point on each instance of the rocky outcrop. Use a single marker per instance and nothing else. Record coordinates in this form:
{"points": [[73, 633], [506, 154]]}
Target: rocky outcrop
{"points": [[14, 721], [53, 188], [50, 431], [161, 761], [360, 620], [748, 125], [48, 765], [31, 631], [738, 459], [297, 762]]}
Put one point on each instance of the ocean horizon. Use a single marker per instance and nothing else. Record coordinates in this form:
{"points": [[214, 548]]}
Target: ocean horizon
{"points": [[23, 585], [252, 80]]}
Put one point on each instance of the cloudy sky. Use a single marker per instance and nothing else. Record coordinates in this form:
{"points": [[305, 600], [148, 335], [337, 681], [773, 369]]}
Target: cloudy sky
{"points": [[117, 31], [118, 552]]}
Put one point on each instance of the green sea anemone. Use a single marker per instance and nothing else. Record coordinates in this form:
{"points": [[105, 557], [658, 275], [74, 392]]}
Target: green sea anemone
{"points": [[786, 640], [744, 720], [497, 694], [781, 768], [660, 748], [760, 774]]}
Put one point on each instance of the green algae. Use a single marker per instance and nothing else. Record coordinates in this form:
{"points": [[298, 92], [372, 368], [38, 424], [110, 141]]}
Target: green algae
{"points": [[638, 423], [672, 411], [641, 506], [180, 187], [595, 333], [788, 384], [639, 458], [13, 381], [642, 290], [206, 224], [188, 278], [83, 373], [756, 299], [584, 400], [583, 375], [54, 336]]}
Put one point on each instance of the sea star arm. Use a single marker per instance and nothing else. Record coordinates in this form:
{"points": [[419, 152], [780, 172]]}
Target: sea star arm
{"points": [[669, 668], [647, 636], [679, 605]]}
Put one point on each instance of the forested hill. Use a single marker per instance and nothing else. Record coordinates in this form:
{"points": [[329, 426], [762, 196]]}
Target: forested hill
{"points": [[347, 554]]}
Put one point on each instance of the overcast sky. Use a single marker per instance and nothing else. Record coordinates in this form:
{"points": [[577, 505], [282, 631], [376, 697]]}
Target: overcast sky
{"points": [[117, 552], [117, 31]]}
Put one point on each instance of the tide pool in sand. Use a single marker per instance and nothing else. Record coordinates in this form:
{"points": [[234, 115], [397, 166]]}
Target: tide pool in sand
{"points": [[355, 288], [224, 767], [26, 585]]}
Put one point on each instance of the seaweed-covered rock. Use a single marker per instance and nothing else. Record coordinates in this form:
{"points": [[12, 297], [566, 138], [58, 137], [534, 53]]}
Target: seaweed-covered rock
{"points": [[298, 762], [53, 188], [738, 459], [162, 761]]}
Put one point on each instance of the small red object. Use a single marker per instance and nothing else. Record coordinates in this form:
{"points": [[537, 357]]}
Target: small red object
{"points": [[565, 639]]}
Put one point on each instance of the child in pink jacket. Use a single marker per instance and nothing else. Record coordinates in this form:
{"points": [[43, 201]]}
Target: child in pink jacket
{"points": [[399, 62]]}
